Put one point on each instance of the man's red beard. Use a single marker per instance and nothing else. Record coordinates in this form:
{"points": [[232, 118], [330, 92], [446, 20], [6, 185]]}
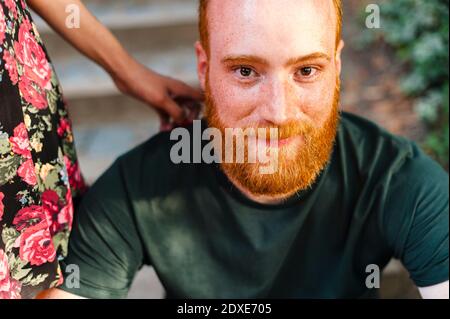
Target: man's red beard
{"points": [[297, 168]]}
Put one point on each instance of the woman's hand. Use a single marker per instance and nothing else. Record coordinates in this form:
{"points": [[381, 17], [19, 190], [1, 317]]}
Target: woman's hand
{"points": [[176, 102]]}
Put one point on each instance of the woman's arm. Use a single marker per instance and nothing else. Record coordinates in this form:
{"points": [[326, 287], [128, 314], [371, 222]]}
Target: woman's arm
{"points": [[96, 42]]}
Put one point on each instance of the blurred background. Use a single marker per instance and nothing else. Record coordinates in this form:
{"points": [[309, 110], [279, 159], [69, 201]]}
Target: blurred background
{"points": [[396, 75]]}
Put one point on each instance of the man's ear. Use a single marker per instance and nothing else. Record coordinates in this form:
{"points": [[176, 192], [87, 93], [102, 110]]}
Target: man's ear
{"points": [[202, 63], [338, 57]]}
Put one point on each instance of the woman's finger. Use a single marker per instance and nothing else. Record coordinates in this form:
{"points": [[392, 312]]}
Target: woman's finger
{"points": [[181, 89], [165, 124], [177, 113]]}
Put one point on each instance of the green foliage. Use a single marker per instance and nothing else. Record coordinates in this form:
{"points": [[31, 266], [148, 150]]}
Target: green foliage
{"points": [[418, 31], [437, 141]]}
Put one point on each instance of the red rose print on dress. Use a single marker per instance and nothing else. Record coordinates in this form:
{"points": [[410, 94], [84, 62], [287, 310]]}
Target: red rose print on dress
{"points": [[29, 216], [36, 245], [2, 26], [11, 5], [28, 81], [20, 142], [53, 208], [35, 241], [31, 55], [51, 205], [75, 178], [58, 214], [9, 288], [37, 71], [11, 66], [65, 216], [15, 288], [2, 207], [4, 272], [35, 96], [27, 173], [63, 127]]}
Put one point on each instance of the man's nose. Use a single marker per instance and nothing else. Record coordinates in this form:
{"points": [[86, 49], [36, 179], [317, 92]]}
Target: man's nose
{"points": [[278, 106]]}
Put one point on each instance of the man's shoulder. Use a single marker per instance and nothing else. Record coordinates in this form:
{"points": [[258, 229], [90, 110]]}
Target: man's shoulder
{"points": [[150, 166], [158, 147], [139, 175], [405, 172], [376, 143], [410, 183], [154, 149], [371, 148], [393, 162], [363, 130]]}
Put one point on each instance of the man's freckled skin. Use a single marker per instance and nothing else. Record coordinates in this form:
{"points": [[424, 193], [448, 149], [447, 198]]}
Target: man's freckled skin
{"points": [[250, 29]]}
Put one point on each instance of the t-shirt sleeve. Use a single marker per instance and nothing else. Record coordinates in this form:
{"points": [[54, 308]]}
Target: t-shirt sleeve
{"points": [[104, 243], [417, 219]]}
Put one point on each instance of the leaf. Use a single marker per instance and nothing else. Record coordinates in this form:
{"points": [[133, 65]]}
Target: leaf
{"points": [[20, 273], [19, 69], [52, 99], [30, 281], [40, 278], [52, 179], [8, 168], [27, 280], [48, 122], [9, 237], [17, 270], [5, 146], [61, 239]]}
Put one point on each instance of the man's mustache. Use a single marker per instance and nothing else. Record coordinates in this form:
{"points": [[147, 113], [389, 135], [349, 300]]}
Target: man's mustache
{"points": [[284, 131]]}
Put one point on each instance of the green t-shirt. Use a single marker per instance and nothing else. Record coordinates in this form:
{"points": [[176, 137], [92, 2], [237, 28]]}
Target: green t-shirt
{"points": [[379, 197]]}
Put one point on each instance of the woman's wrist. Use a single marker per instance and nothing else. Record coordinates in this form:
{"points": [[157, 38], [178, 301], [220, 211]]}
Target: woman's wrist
{"points": [[117, 62], [123, 70]]}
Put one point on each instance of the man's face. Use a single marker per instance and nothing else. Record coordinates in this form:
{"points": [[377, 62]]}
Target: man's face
{"points": [[274, 63]]}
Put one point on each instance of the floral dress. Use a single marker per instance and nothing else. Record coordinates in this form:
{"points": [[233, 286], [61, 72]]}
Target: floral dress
{"points": [[40, 180]]}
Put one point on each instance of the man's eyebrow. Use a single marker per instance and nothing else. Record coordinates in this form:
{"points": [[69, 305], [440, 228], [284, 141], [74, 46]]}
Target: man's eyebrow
{"points": [[305, 58], [243, 59]]}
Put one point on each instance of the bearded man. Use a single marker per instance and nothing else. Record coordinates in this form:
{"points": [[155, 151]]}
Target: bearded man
{"points": [[346, 195]]}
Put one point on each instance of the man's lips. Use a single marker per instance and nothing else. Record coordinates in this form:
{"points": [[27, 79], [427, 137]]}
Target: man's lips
{"points": [[286, 141], [262, 142]]}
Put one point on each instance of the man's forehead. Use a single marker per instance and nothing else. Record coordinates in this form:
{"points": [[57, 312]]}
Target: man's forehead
{"points": [[297, 26]]}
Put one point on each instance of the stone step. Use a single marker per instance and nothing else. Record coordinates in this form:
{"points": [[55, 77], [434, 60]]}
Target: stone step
{"points": [[145, 40], [165, 43], [106, 127], [395, 283], [81, 78], [146, 285], [131, 14]]}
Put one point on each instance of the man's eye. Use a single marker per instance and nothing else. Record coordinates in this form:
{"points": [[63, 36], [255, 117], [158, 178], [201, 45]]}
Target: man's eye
{"points": [[307, 72], [245, 72]]}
